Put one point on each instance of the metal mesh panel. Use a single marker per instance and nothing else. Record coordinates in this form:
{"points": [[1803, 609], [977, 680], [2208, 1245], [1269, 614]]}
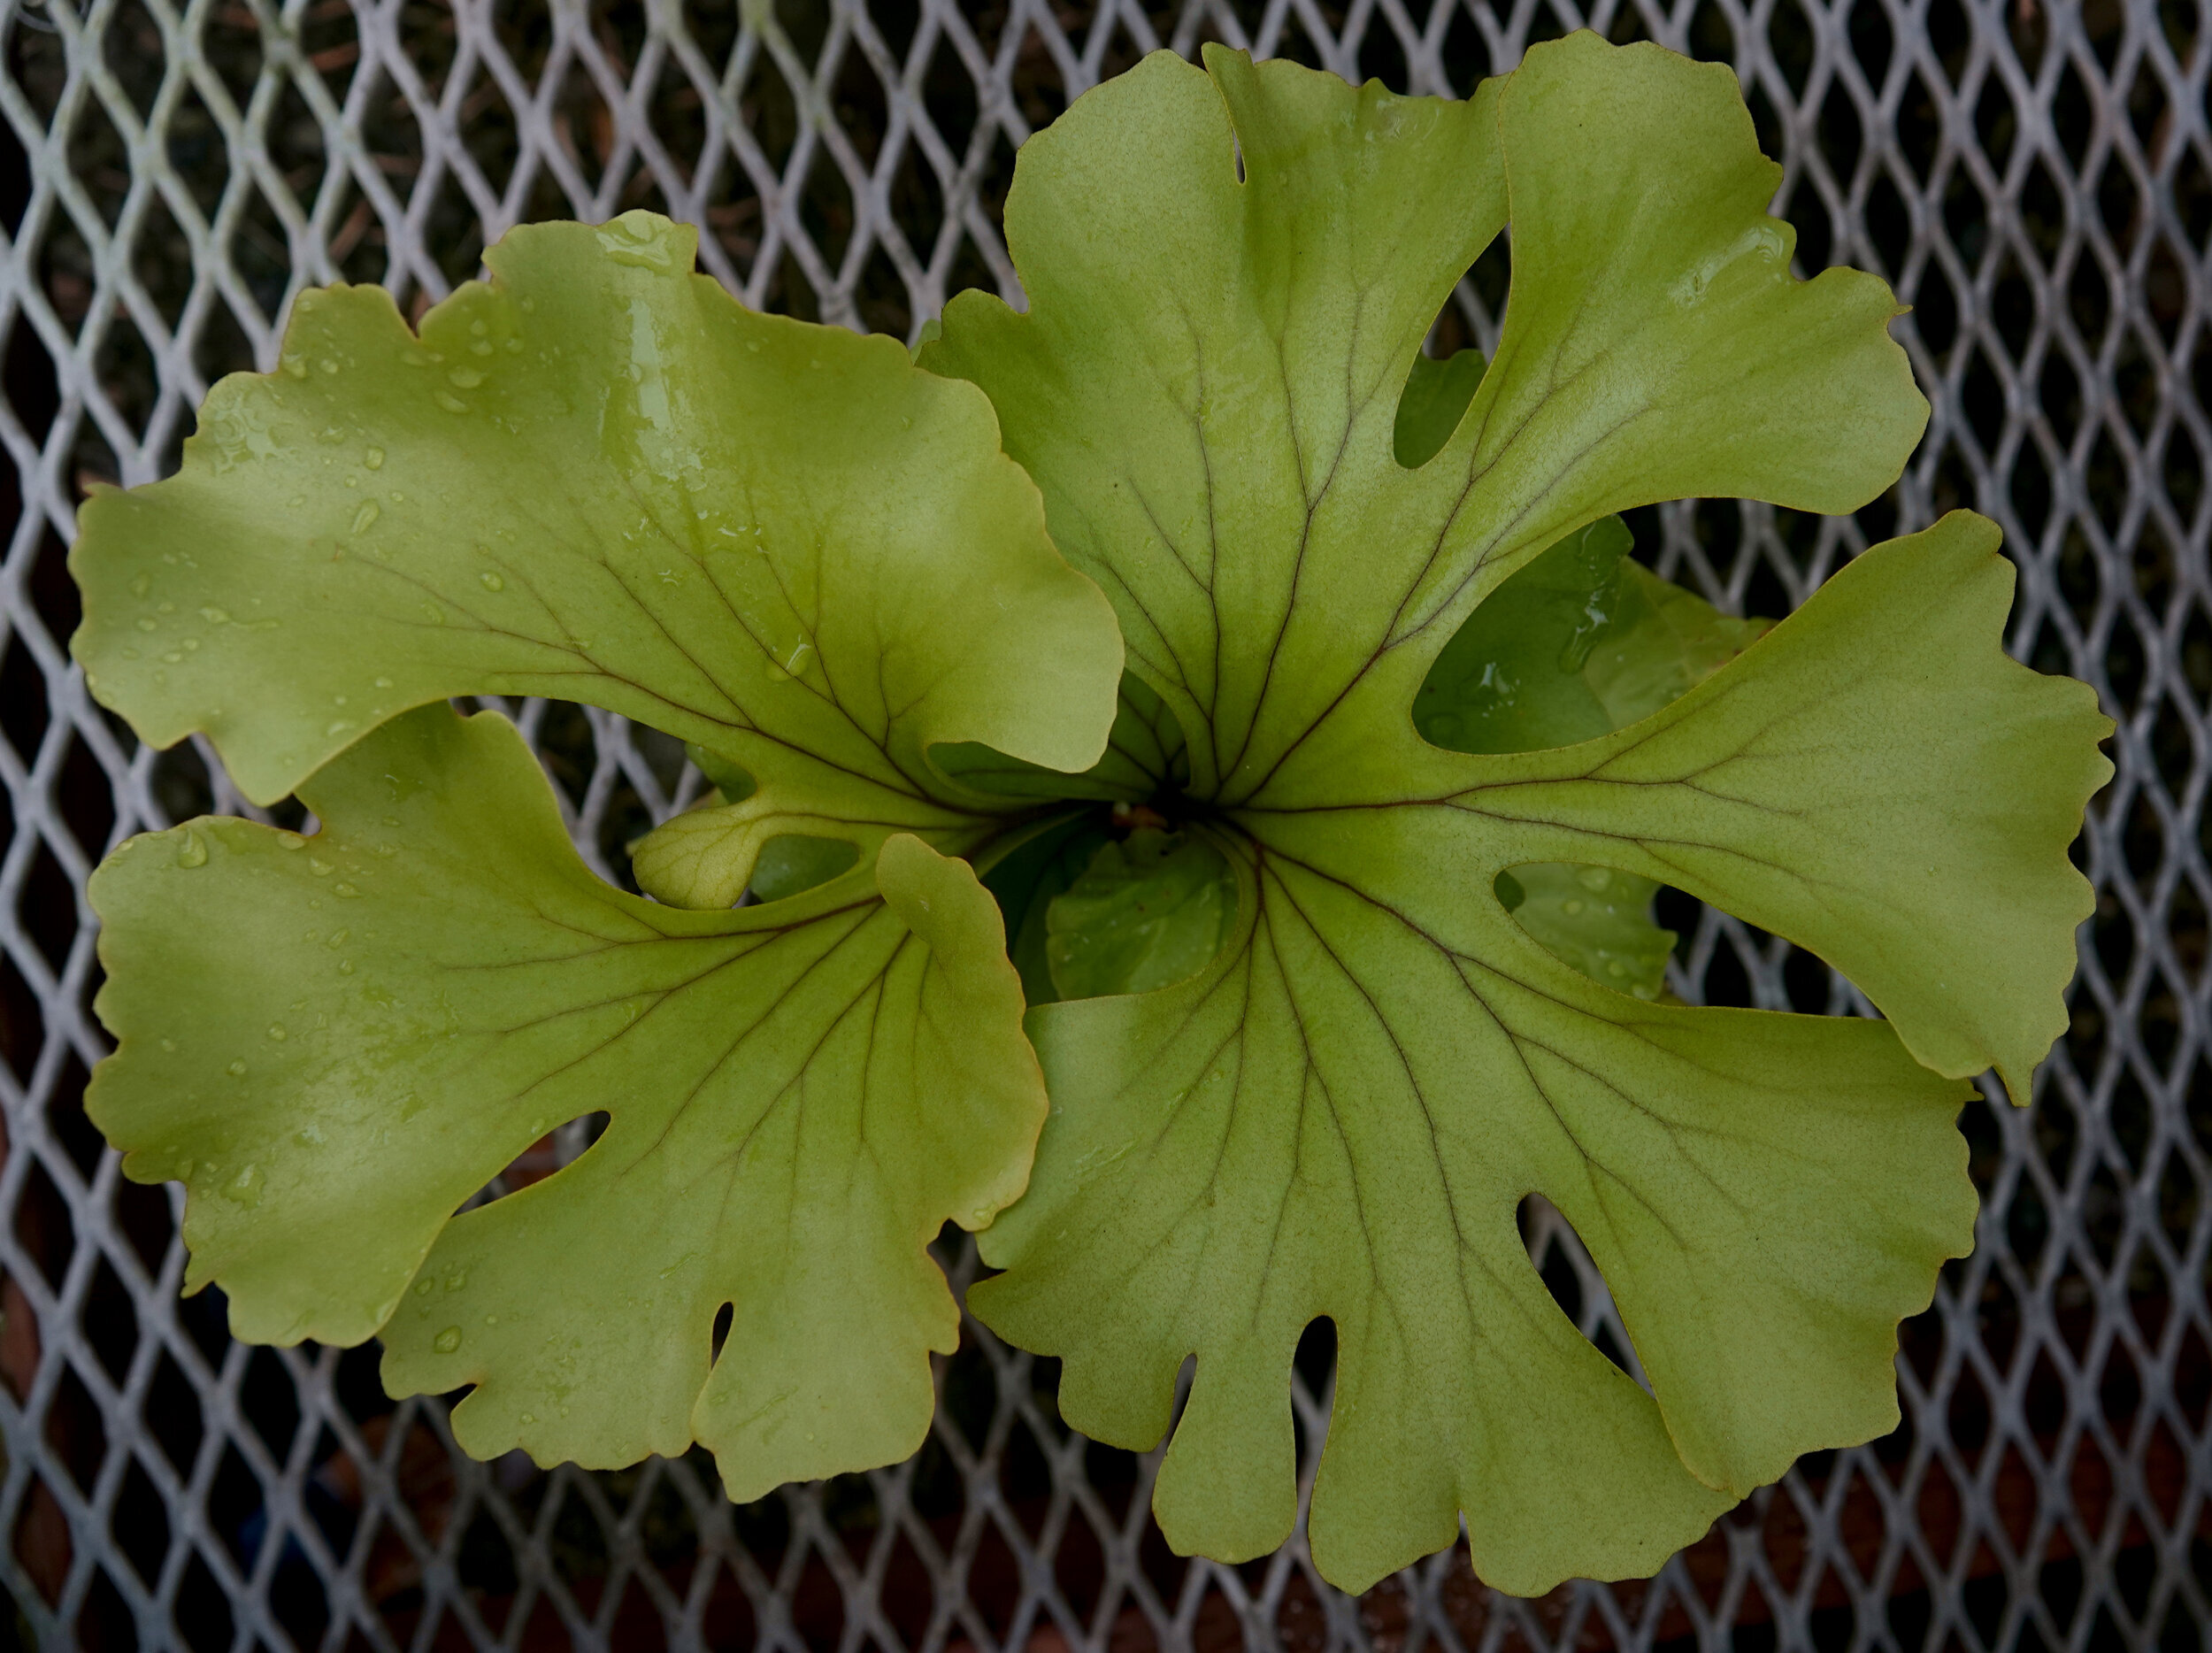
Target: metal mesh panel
{"points": [[2033, 176]]}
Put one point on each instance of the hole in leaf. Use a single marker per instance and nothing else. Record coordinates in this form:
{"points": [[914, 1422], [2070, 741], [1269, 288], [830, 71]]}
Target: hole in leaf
{"points": [[1562, 1262], [1445, 375], [1437, 393], [721, 1332], [722, 773], [790, 864], [1025, 880], [1593, 920], [1579, 642], [557, 1149], [1316, 1358], [1512, 677]]}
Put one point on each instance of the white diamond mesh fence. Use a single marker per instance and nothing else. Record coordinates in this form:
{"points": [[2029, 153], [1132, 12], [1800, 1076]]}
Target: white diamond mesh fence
{"points": [[2033, 176]]}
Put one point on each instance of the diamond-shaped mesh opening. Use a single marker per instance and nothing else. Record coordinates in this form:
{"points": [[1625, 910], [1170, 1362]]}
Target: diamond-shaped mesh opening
{"points": [[2036, 181]]}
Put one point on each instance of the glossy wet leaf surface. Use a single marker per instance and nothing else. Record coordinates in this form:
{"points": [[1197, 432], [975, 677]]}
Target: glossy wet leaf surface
{"points": [[1512, 677]]}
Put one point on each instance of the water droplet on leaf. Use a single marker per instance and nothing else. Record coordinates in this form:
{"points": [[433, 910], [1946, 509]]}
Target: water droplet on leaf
{"points": [[640, 239]]}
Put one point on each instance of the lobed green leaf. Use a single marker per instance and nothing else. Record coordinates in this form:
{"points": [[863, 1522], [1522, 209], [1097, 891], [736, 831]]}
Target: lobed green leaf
{"points": [[1215, 383], [799, 1095], [600, 477], [1205, 383]]}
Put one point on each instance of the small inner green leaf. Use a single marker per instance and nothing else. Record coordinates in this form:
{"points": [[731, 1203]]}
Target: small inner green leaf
{"points": [[794, 861], [1436, 396], [1594, 918], [1150, 911]]}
